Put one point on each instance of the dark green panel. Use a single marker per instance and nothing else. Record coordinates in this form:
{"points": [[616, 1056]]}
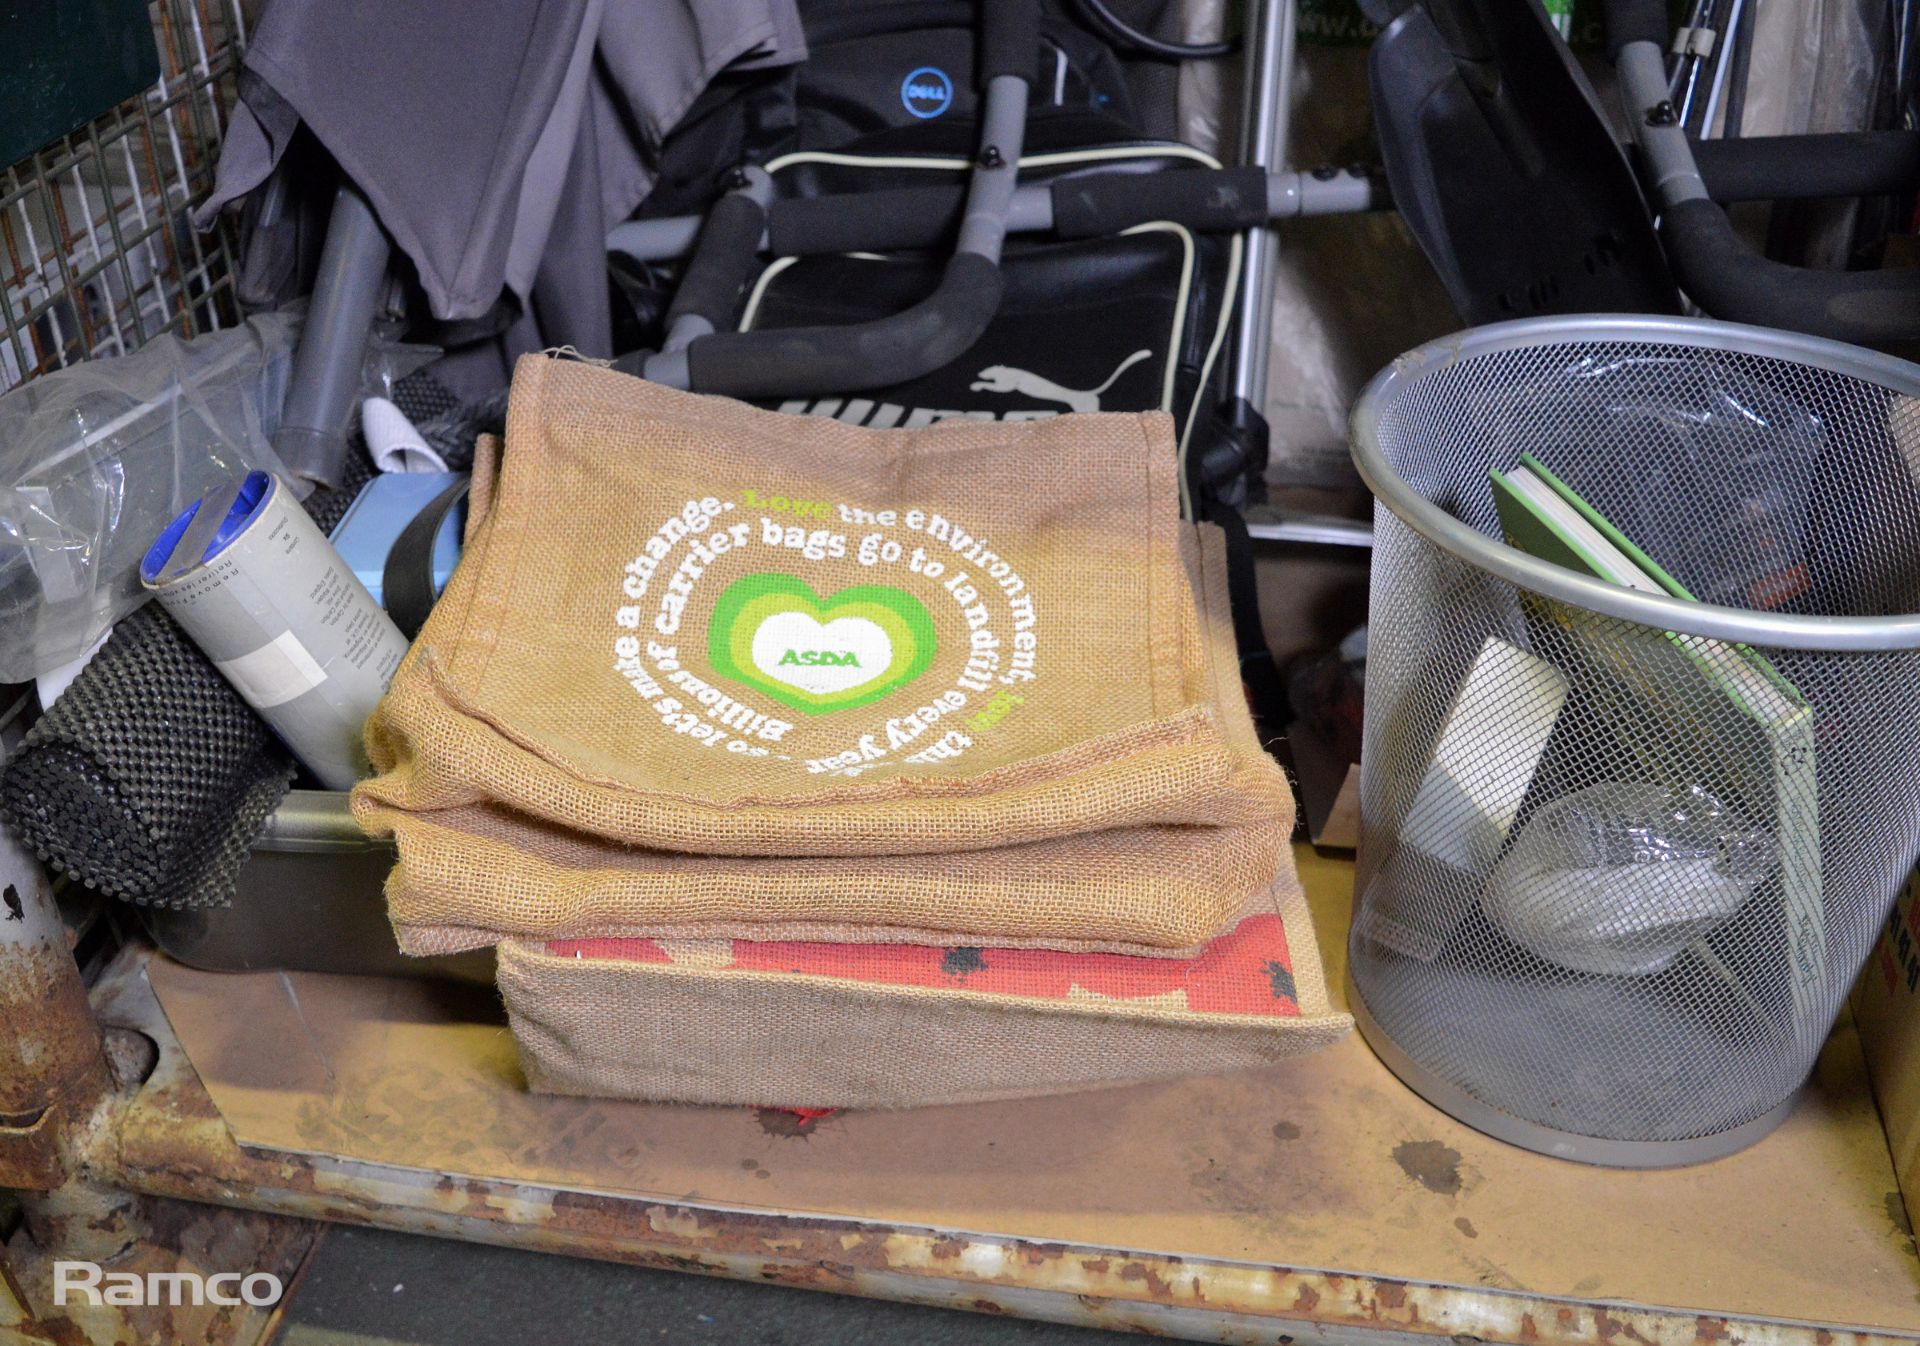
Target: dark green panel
{"points": [[64, 62]]}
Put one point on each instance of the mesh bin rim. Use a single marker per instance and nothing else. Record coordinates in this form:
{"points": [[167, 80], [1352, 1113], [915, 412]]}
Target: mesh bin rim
{"points": [[1783, 630]]}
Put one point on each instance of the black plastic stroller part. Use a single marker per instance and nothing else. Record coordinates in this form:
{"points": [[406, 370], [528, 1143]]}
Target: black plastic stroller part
{"points": [[1146, 44], [872, 354], [1730, 280], [711, 286], [928, 334], [1501, 163], [1113, 324], [1229, 452], [1225, 201], [1079, 205], [407, 588], [1834, 164], [708, 294], [1713, 264], [1072, 310]]}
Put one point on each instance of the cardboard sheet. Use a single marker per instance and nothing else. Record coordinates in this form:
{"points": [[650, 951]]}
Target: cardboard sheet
{"points": [[1886, 1007], [1326, 1162]]}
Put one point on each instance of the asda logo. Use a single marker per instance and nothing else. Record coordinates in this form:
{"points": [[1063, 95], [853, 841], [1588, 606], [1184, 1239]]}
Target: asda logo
{"points": [[926, 92], [822, 658]]}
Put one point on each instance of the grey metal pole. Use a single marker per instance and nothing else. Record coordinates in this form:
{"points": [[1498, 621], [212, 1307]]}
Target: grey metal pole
{"points": [[1003, 131], [1289, 195], [1263, 140], [1655, 123], [347, 294]]}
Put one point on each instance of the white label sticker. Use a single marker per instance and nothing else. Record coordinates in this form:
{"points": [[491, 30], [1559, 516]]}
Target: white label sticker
{"points": [[275, 673]]}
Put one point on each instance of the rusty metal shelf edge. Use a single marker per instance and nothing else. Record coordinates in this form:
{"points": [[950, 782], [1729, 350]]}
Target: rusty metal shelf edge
{"points": [[171, 1141]]}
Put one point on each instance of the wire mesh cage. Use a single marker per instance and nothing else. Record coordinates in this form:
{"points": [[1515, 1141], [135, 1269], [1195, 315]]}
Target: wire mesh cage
{"points": [[97, 254], [1624, 852]]}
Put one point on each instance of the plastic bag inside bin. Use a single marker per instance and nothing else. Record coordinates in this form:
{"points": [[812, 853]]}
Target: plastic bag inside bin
{"points": [[1686, 427], [1619, 878], [97, 458]]}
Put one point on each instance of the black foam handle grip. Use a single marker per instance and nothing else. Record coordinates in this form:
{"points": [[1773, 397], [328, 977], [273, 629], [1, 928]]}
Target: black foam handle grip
{"points": [[1009, 39], [1834, 164], [899, 217], [1208, 201], [1636, 21], [1219, 201], [722, 261], [1731, 281], [809, 361], [406, 583]]}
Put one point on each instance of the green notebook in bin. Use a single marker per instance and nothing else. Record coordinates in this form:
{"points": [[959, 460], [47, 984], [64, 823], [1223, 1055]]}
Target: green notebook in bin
{"points": [[1542, 515]]}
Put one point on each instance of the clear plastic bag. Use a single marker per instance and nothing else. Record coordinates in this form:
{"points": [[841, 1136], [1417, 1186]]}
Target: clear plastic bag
{"points": [[1686, 426], [96, 459], [388, 361], [1620, 878]]}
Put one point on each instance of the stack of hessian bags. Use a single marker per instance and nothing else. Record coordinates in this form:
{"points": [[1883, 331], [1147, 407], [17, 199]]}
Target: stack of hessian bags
{"points": [[792, 762]]}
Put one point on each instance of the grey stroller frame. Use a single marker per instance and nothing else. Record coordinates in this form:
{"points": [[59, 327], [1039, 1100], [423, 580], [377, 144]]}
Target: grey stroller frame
{"points": [[703, 354]]}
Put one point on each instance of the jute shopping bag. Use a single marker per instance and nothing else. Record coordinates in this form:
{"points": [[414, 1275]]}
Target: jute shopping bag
{"points": [[685, 627], [896, 1025], [1153, 889]]}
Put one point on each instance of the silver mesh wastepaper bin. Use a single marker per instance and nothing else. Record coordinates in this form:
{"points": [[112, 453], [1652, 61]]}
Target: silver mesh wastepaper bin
{"points": [[1625, 851]]}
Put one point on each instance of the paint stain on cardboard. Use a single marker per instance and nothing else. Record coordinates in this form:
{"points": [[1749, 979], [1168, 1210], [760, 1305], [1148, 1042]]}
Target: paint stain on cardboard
{"points": [[1465, 1226], [791, 1123], [1434, 1166], [1285, 1131], [1897, 1217]]}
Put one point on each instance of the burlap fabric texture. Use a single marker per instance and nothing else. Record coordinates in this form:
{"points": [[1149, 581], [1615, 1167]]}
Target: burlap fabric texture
{"points": [[711, 669], [896, 1025]]}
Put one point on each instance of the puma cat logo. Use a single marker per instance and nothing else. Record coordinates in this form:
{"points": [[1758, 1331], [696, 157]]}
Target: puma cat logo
{"points": [[1009, 379], [992, 379]]}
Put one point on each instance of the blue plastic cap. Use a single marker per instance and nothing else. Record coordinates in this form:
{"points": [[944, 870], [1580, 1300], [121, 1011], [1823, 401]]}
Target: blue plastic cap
{"points": [[254, 493]]}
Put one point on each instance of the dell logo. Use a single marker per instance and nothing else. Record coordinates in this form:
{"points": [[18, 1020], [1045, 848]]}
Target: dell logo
{"points": [[927, 92]]}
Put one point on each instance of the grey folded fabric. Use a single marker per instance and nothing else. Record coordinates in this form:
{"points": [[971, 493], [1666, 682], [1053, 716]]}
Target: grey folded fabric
{"points": [[496, 146]]}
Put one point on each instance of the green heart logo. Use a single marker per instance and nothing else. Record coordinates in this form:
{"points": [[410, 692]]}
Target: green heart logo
{"points": [[772, 632]]}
